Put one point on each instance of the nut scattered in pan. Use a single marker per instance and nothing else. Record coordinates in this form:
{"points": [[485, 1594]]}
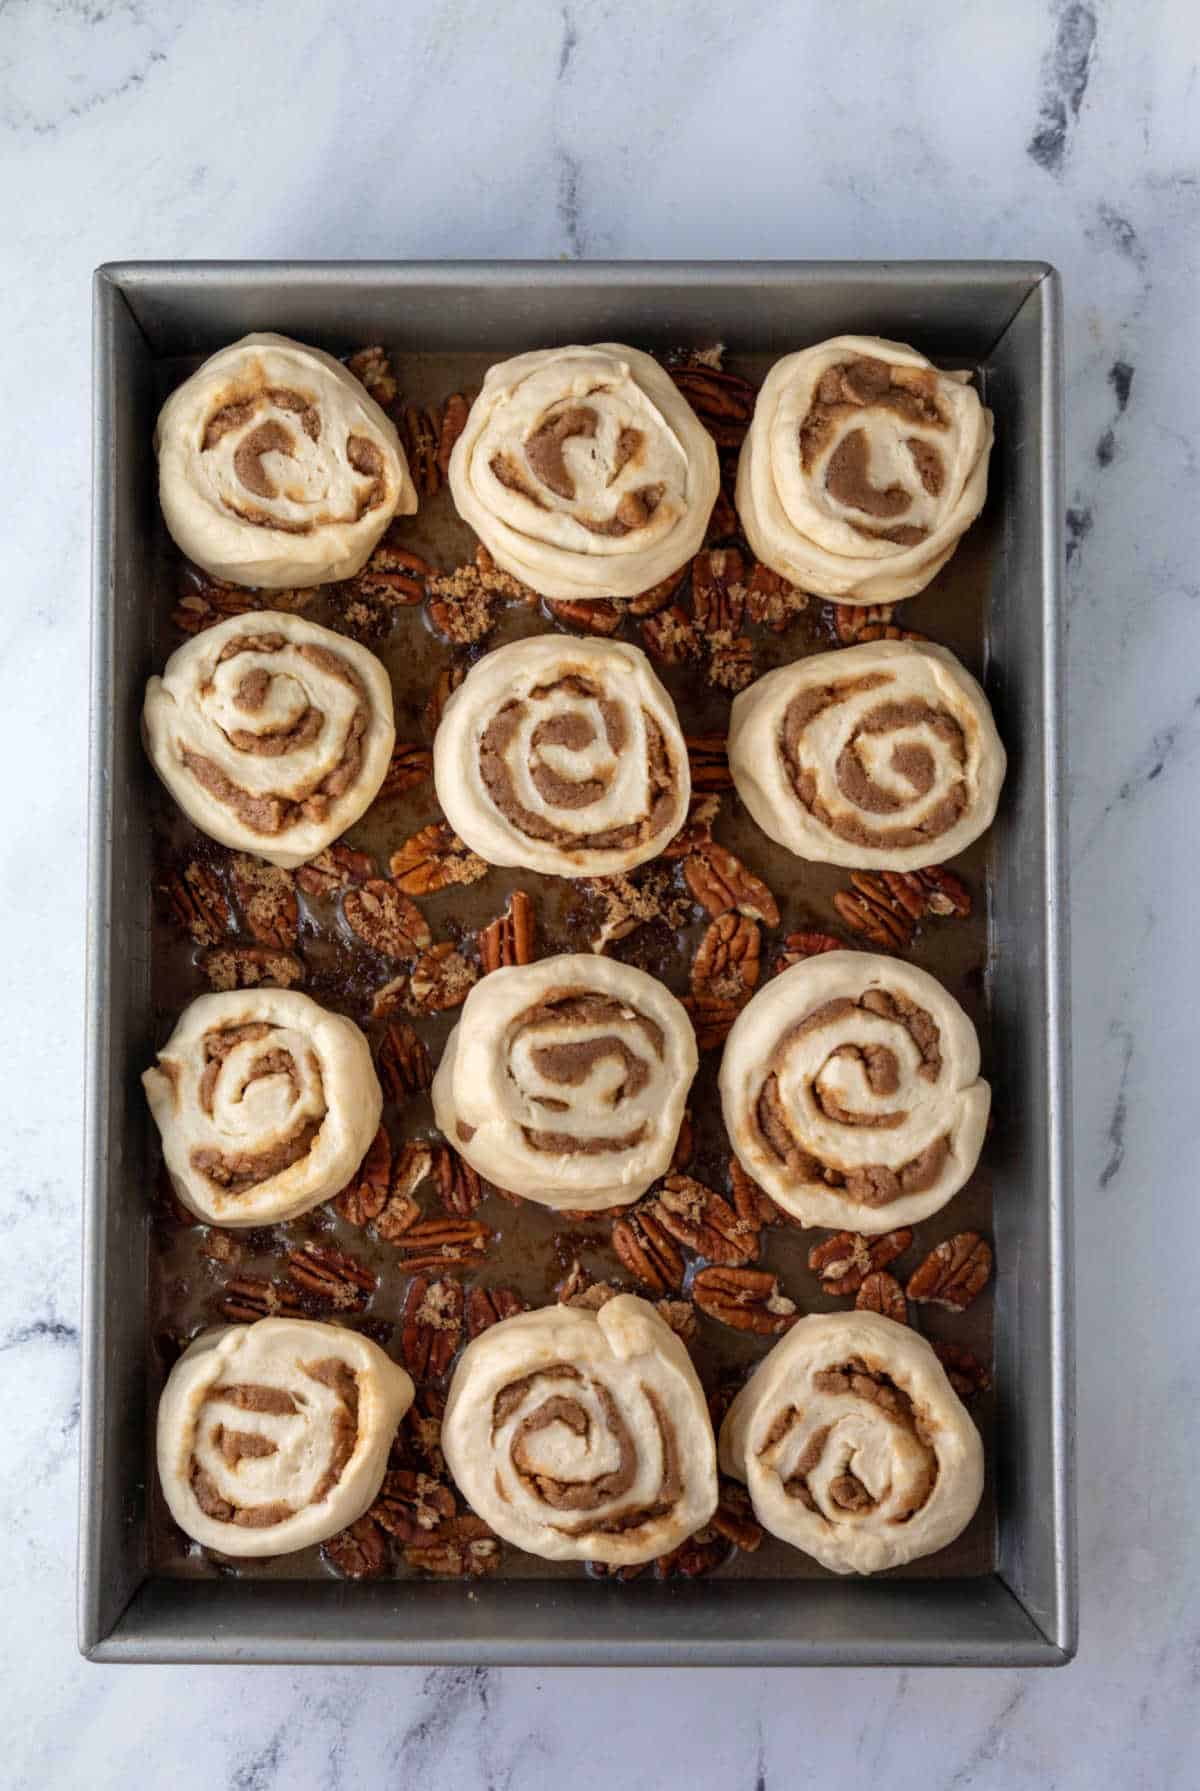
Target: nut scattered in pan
{"points": [[365, 1197], [509, 939], [228, 967], [266, 895], [699, 1218], [844, 1259], [882, 1293], [337, 867], [385, 919], [403, 1062], [431, 1327], [647, 1250], [965, 1372], [745, 1299], [434, 859], [198, 902], [722, 884], [331, 1277], [954, 1273]]}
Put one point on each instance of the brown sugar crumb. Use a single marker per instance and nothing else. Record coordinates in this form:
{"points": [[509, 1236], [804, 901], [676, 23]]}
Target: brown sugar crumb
{"points": [[629, 905], [462, 603], [229, 967], [267, 897]]}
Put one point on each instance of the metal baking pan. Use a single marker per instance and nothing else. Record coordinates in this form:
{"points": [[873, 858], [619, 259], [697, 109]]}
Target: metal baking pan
{"points": [[1002, 318]]}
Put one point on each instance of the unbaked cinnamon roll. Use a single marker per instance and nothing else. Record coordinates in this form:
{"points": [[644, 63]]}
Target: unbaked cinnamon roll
{"points": [[851, 1092], [880, 756], [585, 472], [275, 1435], [863, 467], [275, 467], [564, 756], [853, 1444], [583, 1436], [266, 1104], [272, 734], [566, 1080]]}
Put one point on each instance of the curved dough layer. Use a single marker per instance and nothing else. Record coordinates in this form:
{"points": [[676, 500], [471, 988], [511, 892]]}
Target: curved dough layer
{"points": [[583, 1436], [564, 756], [276, 468], [862, 468], [275, 1435], [853, 1444], [850, 1088], [565, 1080], [272, 734], [882, 756], [585, 472], [266, 1104]]}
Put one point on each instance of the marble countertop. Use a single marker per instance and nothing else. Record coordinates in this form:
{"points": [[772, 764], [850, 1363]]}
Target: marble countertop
{"points": [[296, 128]]}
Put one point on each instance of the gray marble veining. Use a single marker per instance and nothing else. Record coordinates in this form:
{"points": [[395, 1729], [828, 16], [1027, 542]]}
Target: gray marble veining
{"points": [[687, 128]]}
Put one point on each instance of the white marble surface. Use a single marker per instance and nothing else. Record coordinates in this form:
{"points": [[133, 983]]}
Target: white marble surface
{"points": [[298, 128]]}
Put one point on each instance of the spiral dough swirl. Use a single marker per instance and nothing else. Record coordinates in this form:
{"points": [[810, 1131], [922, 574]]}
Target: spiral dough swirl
{"points": [[863, 467], [853, 1444], [851, 1091], [275, 1435], [272, 733], [563, 756], [583, 1435], [566, 1080], [585, 472], [276, 468], [266, 1104], [883, 755]]}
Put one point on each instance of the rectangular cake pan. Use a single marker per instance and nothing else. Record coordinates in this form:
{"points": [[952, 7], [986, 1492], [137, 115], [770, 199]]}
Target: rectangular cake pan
{"points": [[1001, 316]]}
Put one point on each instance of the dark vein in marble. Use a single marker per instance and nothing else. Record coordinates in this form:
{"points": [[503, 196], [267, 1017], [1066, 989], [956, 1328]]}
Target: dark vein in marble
{"points": [[570, 42], [51, 1328], [454, 1694], [1080, 523], [1161, 748], [1122, 235], [992, 1740], [261, 1770], [132, 82], [1065, 73], [569, 203], [1120, 378], [1115, 1133]]}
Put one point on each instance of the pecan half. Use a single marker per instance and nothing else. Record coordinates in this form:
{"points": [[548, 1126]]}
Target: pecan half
{"points": [[337, 867], [408, 766], [882, 1293], [509, 939], [954, 1273], [250, 967], [718, 590], [798, 946], [947, 893], [844, 1260], [965, 1372], [458, 1187], [359, 1553], [745, 1299], [872, 915], [411, 1505], [702, 1553], [850, 619], [591, 615], [198, 902], [648, 603], [385, 919], [722, 884], [730, 661], [419, 431], [331, 1276], [419, 1438], [734, 1517], [647, 1250], [727, 962], [455, 411], [441, 979], [696, 831], [488, 1306], [887, 907], [403, 1062], [393, 576], [681, 1156], [464, 1546], [366, 1196], [723, 402], [444, 685], [670, 636], [205, 601], [712, 1018], [433, 859], [708, 757], [698, 1217], [771, 601], [441, 1243], [431, 1326], [374, 368], [246, 1298], [267, 898], [411, 1166], [750, 1202]]}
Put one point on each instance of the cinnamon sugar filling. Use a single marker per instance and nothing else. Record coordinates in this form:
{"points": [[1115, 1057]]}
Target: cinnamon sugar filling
{"points": [[854, 1378], [235, 1446], [570, 1062], [846, 391]]}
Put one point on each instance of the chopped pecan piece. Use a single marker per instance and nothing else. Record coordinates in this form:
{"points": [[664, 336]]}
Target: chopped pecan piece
{"points": [[722, 884], [409, 766], [723, 402], [680, 1315], [798, 946], [648, 603], [247, 1298], [359, 1553], [771, 601], [206, 601], [734, 1517], [222, 1246], [385, 919], [699, 1218], [393, 577], [465, 1545], [455, 411], [670, 636], [403, 1062], [462, 605], [441, 1243], [574, 1284], [882, 1293], [629, 905], [401, 1212], [702, 1553], [337, 867], [458, 1187], [727, 962], [745, 1299], [647, 1250], [730, 661], [366, 1196], [607, 1570], [198, 902], [718, 590], [708, 756], [331, 1276], [431, 1328], [965, 1372], [374, 368], [591, 615], [267, 898], [750, 1202], [889, 632], [444, 685], [844, 1260], [681, 1156], [250, 967], [696, 832], [411, 1505], [391, 998], [433, 859], [488, 1306], [419, 1438], [946, 893], [875, 920], [509, 939], [954, 1273], [419, 432], [441, 978]]}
